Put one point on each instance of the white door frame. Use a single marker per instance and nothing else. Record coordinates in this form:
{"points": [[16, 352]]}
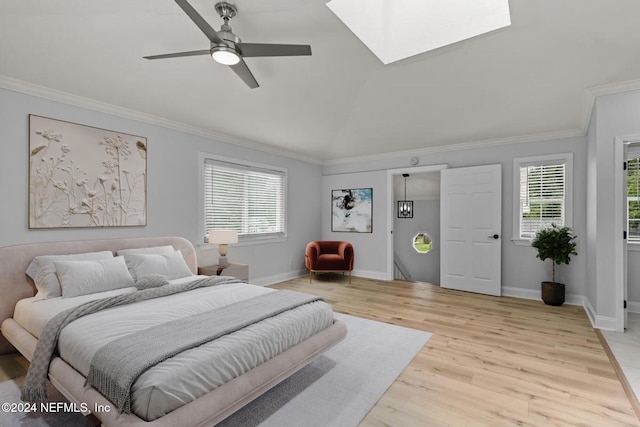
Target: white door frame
{"points": [[391, 207], [618, 225]]}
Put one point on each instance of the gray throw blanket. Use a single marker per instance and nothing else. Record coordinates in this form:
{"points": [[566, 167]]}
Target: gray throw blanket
{"points": [[35, 383], [118, 364]]}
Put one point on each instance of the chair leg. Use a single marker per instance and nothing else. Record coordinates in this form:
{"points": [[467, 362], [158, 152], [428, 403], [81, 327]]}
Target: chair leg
{"points": [[310, 276], [349, 276]]}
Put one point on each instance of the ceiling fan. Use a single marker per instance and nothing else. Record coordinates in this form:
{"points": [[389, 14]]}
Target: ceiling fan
{"points": [[227, 48]]}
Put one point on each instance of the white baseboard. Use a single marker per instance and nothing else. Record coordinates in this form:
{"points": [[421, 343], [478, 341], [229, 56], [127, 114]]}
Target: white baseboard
{"points": [[570, 299], [600, 322], [605, 323], [633, 307], [282, 277], [591, 313], [270, 280], [520, 293], [375, 275]]}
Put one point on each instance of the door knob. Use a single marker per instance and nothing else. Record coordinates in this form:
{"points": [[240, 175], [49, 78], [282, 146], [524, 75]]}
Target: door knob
{"points": [[495, 236]]}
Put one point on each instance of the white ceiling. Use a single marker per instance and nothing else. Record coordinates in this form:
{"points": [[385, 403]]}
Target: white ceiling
{"points": [[420, 186], [395, 30], [530, 80]]}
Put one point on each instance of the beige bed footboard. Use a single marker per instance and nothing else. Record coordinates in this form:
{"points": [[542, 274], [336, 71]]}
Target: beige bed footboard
{"points": [[207, 410]]}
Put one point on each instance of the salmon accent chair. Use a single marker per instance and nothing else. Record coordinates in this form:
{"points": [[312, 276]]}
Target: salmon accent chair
{"points": [[328, 256]]}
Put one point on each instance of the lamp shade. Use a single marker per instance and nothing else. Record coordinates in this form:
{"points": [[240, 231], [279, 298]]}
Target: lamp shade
{"points": [[223, 236]]}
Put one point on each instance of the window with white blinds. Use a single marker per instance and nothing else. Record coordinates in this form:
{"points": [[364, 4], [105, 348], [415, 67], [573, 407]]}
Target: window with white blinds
{"points": [[542, 199], [248, 198], [633, 197]]}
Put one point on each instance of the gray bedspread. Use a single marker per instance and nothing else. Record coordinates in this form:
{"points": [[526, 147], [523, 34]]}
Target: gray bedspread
{"points": [[35, 382], [117, 365]]}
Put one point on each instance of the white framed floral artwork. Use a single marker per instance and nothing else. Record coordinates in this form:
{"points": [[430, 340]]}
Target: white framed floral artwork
{"points": [[83, 176]]}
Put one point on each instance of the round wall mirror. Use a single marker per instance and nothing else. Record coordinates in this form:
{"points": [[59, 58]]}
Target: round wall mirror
{"points": [[422, 243]]}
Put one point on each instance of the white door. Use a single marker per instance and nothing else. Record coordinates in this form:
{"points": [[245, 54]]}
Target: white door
{"points": [[470, 229]]}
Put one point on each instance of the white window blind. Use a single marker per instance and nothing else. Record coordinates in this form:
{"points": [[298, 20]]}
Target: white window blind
{"points": [[542, 197], [633, 198], [248, 199]]}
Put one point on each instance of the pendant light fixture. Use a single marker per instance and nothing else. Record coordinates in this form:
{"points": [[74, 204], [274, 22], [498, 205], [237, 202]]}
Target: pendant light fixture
{"points": [[405, 207]]}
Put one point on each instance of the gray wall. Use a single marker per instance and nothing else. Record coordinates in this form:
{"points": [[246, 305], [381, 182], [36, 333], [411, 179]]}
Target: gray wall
{"points": [[426, 218], [614, 115], [522, 272], [633, 278], [172, 194], [173, 200], [370, 256], [591, 290]]}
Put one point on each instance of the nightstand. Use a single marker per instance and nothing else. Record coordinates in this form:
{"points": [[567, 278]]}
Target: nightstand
{"points": [[239, 271]]}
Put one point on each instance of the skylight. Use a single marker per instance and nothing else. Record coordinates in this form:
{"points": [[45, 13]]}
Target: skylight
{"points": [[397, 29]]}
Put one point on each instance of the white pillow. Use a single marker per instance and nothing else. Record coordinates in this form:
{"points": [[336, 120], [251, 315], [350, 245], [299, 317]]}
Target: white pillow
{"points": [[152, 250], [171, 265], [92, 276], [43, 272]]}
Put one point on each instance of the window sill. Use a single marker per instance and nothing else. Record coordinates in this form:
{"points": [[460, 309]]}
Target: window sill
{"points": [[212, 246], [633, 246], [521, 242], [261, 241]]}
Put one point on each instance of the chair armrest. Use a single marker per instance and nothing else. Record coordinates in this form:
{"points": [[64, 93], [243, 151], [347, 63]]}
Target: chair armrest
{"points": [[345, 250], [311, 255]]}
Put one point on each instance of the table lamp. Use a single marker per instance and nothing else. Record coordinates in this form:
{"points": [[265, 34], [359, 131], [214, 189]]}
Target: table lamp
{"points": [[223, 238]]}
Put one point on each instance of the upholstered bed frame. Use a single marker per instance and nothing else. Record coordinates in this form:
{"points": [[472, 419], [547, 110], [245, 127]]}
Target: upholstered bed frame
{"points": [[204, 411]]}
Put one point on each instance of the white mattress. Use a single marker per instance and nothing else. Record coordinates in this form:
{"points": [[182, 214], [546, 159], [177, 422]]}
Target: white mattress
{"points": [[190, 374]]}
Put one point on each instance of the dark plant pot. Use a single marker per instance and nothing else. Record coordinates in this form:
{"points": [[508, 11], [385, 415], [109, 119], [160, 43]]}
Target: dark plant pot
{"points": [[553, 293]]}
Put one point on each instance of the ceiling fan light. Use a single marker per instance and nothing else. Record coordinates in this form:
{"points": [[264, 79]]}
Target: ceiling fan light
{"points": [[225, 56]]}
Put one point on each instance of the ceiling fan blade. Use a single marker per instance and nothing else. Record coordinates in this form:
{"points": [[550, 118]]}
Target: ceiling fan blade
{"points": [[265, 49], [200, 22], [244, 73], [179, 54]]}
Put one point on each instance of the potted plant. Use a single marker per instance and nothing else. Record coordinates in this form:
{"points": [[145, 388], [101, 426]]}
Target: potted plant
{"points": [[556, 243]]}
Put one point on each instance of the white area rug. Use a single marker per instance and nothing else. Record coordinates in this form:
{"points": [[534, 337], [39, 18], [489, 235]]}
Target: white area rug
{"points": [[337, 389], [340, 387]]}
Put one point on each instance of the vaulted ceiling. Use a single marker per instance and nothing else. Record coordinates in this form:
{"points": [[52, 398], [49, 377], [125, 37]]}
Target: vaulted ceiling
{"points": [[532, 80]]}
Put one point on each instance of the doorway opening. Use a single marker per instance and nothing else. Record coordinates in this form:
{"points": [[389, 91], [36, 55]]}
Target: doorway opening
{"points": [[626, 233], [631, 224], [405, 262], [416, 240]]}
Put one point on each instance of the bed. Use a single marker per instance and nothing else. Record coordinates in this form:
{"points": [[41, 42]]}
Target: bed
{"points": [[205, 403]]}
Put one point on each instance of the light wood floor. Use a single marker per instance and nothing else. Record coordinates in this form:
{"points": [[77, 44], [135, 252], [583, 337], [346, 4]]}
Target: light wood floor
{"points": [[490, 362]]}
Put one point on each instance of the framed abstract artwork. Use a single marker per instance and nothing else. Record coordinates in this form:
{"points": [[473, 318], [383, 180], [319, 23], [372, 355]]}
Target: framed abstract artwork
{"points": [[352, 210], [82, 176]]}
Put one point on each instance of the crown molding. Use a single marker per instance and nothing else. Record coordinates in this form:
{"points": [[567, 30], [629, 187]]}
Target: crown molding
{"points": [[546, 136], [589, 97], [612, 88], [591, 93], [33, 89]]}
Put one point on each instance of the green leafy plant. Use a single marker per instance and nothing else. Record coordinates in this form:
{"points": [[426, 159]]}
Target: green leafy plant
{"points": [[556, 243]]}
